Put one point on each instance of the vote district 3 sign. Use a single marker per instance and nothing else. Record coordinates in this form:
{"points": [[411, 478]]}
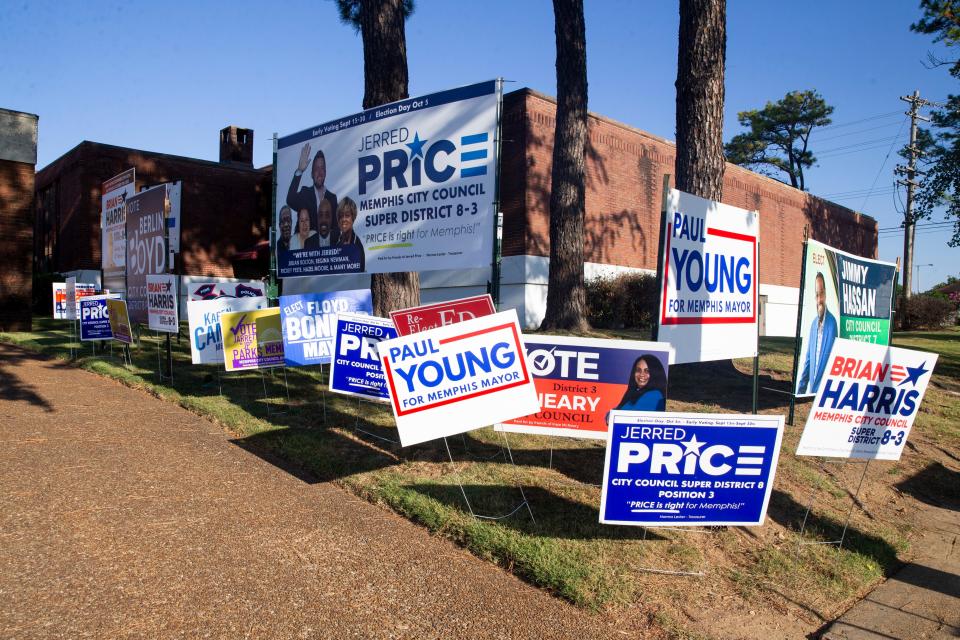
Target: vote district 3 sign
{"points": [[867, 401], [406, 186], [356, 369], [459, 377], [689, 469], [579, 381], [309, 323], [708, 305], [842, 296], [206, 334], [252, 339], [162, 307]]}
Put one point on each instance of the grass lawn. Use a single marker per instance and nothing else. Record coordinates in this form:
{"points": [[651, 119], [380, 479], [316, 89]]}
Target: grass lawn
{"points": [[285, 416]]}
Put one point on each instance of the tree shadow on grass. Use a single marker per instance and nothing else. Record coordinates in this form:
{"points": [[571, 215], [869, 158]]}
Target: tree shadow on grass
{"points": [[728, 387], [555, 515], [935, 485], [789, 513]]}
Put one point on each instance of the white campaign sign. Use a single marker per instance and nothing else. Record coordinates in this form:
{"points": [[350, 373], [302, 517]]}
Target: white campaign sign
{"points": [[162, 303], [71, 310], [867, 401], [458, 377], [206, 339], [406, 186], [708, 304], [113, 231]]}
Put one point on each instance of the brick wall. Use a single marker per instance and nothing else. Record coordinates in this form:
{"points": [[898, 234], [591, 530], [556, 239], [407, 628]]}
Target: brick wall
{"points": [[224, 209], [625, 169], [16, 240]]}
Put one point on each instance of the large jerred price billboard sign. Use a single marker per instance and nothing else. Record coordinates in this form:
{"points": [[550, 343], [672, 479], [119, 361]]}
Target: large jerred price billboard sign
{"points": [[406, 186], [459, 377], [708, 303], [580, 381], [440, 314]]}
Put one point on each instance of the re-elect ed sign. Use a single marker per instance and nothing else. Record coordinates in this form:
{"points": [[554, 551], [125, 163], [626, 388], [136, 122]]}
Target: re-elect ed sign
{"points": [[309, 323], [867, 402], [458, 377], [580, 380], [708, 304], [689, 469], [356, 369], [431, 316]]}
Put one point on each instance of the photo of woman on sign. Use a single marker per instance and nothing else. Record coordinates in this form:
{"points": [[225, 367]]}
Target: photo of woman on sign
{"points": [[305, 237], [646, 386], [346, 216]]}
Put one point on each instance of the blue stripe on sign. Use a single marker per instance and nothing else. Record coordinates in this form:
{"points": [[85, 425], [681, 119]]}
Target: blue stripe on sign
{"points": [[171, 222], [469, 172], [467, 156], [473, 139]]}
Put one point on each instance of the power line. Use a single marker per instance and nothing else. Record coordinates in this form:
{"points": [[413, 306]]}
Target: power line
{"points": [[879, 116], [813, 134]]}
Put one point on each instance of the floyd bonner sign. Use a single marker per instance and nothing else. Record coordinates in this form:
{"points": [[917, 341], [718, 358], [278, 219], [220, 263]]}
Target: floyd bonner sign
{"points": [[708, 301], [407, 186]]}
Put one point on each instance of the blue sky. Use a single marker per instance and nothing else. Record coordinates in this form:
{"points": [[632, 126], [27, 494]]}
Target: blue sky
{"points": [[168, 76]]}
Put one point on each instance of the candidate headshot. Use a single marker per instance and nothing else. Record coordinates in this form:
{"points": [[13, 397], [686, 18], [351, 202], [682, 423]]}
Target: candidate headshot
{"points": [[286, 228], [646, 386], [820, 338], [346, 217], [309, 198]]}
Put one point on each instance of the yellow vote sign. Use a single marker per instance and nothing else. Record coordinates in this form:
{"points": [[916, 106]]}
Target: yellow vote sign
{"points": [[252, 339]]}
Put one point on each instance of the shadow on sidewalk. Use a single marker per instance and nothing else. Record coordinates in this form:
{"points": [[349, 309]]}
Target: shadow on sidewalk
{"points": [[12, 386]]}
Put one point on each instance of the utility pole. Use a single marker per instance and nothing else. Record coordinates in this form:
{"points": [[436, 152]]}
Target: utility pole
{"points": [[911, 172]]}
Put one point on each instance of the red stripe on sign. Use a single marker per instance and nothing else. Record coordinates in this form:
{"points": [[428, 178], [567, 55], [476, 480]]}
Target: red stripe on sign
{"points": [[479, 332], [730, 234]]}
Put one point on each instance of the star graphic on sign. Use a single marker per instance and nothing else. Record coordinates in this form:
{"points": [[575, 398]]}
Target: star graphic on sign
{"points": [[416, 147], [692, 446], [913, 374]]}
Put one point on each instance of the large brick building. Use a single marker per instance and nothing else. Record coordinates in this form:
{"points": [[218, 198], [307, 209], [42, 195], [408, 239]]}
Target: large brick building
{"points": [[18, 157], [225, 208]]}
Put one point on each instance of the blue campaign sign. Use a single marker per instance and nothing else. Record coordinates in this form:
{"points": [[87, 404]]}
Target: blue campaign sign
{"points": [[309, 323], [689, 469], [356, 368], [94, 319]]}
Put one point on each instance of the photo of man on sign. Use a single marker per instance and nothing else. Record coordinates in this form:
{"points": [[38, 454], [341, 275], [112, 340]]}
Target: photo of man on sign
{"points": [[823, 331]]}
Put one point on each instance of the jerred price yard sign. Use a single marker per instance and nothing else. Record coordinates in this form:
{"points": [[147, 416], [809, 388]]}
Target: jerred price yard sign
{"points": [[458, 377]]}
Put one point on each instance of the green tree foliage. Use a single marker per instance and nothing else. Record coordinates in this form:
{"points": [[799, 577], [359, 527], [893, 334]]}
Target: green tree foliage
{"points": [[778, 136], [941, 19]]}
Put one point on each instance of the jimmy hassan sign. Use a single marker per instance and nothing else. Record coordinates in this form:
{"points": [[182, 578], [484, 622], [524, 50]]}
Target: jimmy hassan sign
{"points": [[689, 469], [458, 377], [867, 401], [406, 186], [580, 380], [356, 368], [708, 304], [843, 296], [309, 323]]}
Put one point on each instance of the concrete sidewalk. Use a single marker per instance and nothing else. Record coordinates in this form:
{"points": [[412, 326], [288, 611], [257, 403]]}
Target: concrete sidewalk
{"points": [[124, 516]]}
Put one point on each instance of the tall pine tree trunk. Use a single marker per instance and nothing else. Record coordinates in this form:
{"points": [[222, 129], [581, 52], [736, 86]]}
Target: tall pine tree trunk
{"points": [[701, 56], [566, 299], [385, 80]]}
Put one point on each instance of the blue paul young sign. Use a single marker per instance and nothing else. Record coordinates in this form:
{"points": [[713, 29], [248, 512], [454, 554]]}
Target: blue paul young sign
{"points": [[356, 368], [309, 323], [674, 469]]}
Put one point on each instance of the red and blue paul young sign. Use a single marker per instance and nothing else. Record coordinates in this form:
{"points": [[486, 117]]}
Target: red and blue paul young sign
{"points": [[674, 469], [867, 402]]}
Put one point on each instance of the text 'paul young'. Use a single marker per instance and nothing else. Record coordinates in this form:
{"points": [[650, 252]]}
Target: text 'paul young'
{"points": [[711, 270]]}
